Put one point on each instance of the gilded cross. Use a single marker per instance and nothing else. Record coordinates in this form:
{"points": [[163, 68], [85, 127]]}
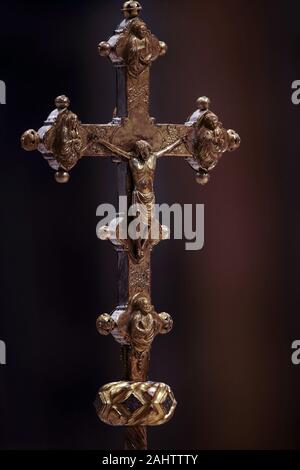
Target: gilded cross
{"points": [[134, 141]]}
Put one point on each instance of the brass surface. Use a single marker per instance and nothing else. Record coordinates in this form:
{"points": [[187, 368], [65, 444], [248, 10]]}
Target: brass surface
{"points": [[207, 141], [136, 327], [131, 9], [30, 140], [135, 403], [133, 137], [62, 177]]}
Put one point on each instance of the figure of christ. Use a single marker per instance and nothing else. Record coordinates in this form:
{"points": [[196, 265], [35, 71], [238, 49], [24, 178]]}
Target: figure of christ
{"points": [[142, 163]]}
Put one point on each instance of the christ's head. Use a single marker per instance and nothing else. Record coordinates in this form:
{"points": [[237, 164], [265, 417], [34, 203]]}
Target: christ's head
{"points": [[143, 150]]}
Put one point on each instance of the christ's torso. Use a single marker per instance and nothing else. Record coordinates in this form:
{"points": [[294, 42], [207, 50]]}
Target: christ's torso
{"points": [[143, 174]]}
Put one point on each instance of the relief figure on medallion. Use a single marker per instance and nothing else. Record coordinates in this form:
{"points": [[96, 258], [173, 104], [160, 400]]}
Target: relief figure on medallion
{"points": [[67, 143], [139, 50], [207, 140], [139, 325]]}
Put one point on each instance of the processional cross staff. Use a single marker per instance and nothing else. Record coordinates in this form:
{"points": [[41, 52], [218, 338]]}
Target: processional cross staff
{"points": [[134, 141]]}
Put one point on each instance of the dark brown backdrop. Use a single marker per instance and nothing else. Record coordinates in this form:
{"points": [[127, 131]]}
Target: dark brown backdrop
{"points": [[235, 303]]}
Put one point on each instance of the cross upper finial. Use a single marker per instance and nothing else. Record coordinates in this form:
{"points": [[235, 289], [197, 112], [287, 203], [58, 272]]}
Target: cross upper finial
{"points": [[132, 50]]}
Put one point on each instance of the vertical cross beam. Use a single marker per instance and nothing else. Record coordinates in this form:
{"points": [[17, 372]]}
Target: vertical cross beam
{"points": [[131, 50]]}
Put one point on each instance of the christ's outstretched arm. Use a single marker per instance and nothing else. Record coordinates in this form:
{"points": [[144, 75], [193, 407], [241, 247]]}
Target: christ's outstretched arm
{"points": [[169, 148], [116, 150]]}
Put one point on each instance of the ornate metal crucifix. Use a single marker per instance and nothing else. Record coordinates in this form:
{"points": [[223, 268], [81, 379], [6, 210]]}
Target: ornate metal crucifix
{"points": [[134, 141]]}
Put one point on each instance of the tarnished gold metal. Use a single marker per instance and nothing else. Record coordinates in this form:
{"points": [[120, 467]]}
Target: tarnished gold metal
{"points": [[62, 176], [142, 165], [135, 404], [135, 142], [30, 140], [207, 140], [105, 324], [136, 326], [131, 9]]}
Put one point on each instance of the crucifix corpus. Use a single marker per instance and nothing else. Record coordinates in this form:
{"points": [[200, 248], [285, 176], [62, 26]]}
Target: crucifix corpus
{"points": [[134, 142]]}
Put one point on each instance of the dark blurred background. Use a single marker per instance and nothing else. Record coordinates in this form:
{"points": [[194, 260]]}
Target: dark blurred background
{"points": [[235, 303]]}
